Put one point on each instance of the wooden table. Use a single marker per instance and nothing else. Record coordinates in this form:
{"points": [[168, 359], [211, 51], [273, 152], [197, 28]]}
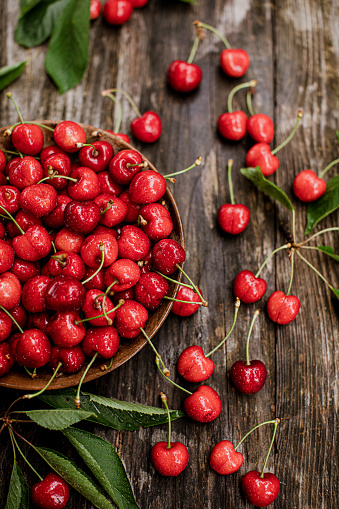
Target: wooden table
{"points": [[294, 48]]}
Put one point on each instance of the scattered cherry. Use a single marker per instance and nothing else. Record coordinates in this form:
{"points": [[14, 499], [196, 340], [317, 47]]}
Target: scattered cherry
{"points": [[51, 493]]}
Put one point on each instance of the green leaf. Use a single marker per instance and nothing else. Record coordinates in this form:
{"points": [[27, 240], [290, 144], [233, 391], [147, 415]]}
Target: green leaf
{"points": [[58, 419], [194, 2], [37, 22], [68, 50], [27, 5], [329, 251], [258, 179], [18, 493], [75, 477], [10, 73], [328, 203], [112, 412], [105, 464], [336, 292], [337, 135]]}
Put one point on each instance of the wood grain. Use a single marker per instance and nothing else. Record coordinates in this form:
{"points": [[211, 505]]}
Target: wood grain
{"points": [[294, 48]]}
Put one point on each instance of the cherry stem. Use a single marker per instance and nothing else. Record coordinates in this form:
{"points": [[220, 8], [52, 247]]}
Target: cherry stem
{"points": [[16, 153], [103, 367], [108, 93], [32, 123], [195, 288], [53, 246], [174, 281], [256, 314], [22, 454], [109, 321], [153, 348], [237, 306], [285, 246], [255, 427], [336, 161], [197, 162], [13, 319], [251, 84], [117, 103], [249, 101], [168, 379], [14, 221], [12, 405], [108, 206], [56, 175], [95, 153], [293, 225], [292, 272], [164, 400], [29, 373], [102, 249], [288, 139], [335, 228], [194, 49], [143, 164], [215, 31], [316, 271], [77, 397], [269, 450], [230, 185], [9, 95], [183, 301], [30, 396], [121, 303]]}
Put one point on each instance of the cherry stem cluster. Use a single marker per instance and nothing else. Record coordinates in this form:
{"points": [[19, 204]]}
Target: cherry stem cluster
{"points": [[157, 361], [237, 306], [215, 31]]}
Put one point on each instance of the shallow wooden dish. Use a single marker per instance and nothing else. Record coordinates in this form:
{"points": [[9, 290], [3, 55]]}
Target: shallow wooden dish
{"points": [[17, 378]]}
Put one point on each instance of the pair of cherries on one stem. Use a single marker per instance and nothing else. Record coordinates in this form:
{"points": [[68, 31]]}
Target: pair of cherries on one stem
{"points": [[186, 76], [259, 488]]}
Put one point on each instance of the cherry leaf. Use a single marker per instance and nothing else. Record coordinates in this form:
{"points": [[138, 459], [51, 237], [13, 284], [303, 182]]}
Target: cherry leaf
{"points": [[37, 21], [328, 203], [329, 251], [112, 412], [10, 73], [75, 477], [68, 50], [58, 419], [18, 493], [105, 464], [266, 186], [194, 2]]}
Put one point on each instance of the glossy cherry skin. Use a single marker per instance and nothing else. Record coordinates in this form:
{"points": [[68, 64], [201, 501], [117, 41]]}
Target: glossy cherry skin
{"points": [[39, 199], [9, 198], [126, 272], [129, 318], [33, 294], [28, 139], [93, 306], [87, 185], [166, 255], [224, 459], [32, 349], [20, 316], [39, 321], [6, 256], [121, 167], [10, 290], [104, 340], [155, 221], [81, 216], [65, 293], [122, 136], [64, 331], [24, 220], [3, 161], [203, 405], [139, 3], [261, 128], [51, 493], [116, 213], [97, 158], [68, 264], [259, 491], [72, 359], [150, 290], [187, 294], [184, 77], [97, 282], [308, 187], [33, 245], [132, 208], [26, 172], [249, 288], [133, 243], [234, 62], [260, 155], [94, 9], [147, 187], [248, 379], [117, 12], [169, 462], [60, 164], [193, 366], [281, 308], [5, 326], [67, 134], [56, 219], [147, 128], [48, 151], [90, 250], [232, 126], [233, 219], [6, 358], [68, 240]]}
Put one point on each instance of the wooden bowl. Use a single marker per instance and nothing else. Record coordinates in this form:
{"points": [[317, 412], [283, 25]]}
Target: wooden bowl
{"points": [[17, 378]]}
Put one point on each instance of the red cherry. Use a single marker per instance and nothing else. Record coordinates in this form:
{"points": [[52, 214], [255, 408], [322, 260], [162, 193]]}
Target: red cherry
{"points": [[72, 359], [6, 256], [24, 220], [96, 156], [10, 290], [150, 290], [97, 282], [25, 270], [147, 128], [87, 185], [139, 3], [193, 366], [232, 126], [184, 77], [308, 187], [65, 293], [113, 210], [233, 219], [249, 288], [95, 9], [39, 199], [68, 264], [93, 306], [169, 461], [187, 294], [60, 164], [39, 321], [108, 185], [26, 172], [129, 318], [33, 245], [56, 218], [19, 314], [6, 358], [122, 136], [28, 139], [48, 151], [67, 134], [281, 308], [155, 221], [9, 198], [117, 12], [133, 243], [248, 379], [124, 166], [81, 216], [32, 349], [260, 491], [132, 208], [104, 340], [3, 161], [166, 255], [234, 62], [224, 459], [125, 271], [203, 405], [261, 128], [67, 240], [51, 493], [260, 155], [5, 326], [33, 294], [91, 250], [64, 331], [147, 187]]}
